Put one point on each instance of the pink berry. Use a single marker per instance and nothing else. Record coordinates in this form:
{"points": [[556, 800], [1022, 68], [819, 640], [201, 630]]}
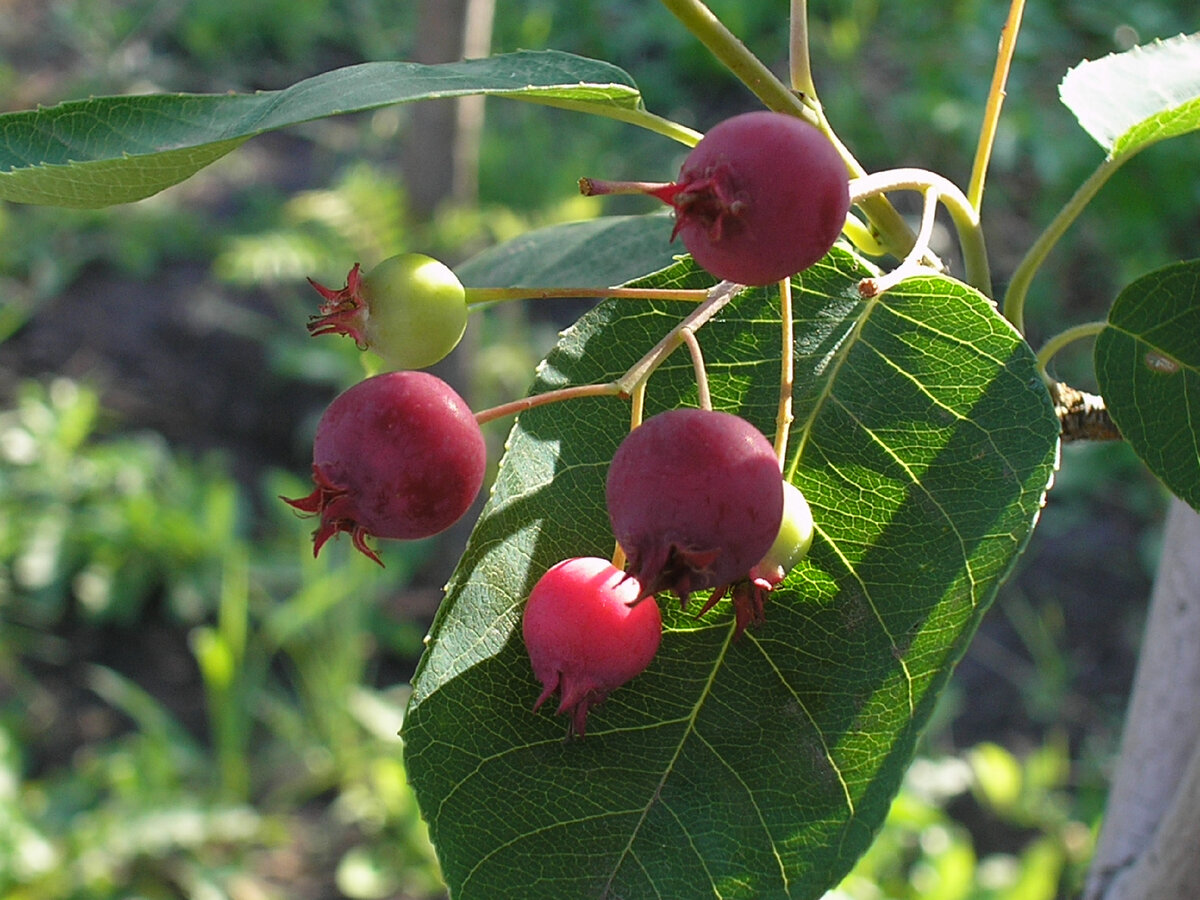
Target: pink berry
{"points": [[695, 498], [399, 455], [588, 632]]}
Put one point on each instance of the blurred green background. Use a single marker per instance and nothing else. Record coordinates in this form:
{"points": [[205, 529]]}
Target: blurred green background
{"points": [[192, 707]]}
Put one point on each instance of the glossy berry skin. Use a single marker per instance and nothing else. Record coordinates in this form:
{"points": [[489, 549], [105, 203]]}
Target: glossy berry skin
{"points": [[695, 499], [588, 632], [399, 455], [410, 309], [764, 195]]}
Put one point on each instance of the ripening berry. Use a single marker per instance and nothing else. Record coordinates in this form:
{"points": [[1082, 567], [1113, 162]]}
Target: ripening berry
{"points": [[763, 196], [695, 499], [397, 456], [410, 309], [588, 632]]}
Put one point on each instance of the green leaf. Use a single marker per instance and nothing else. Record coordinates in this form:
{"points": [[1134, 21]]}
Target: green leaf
{"points": [[1148, 368], [595, 253], [1127, 101], [107, 150], [924, 440]]}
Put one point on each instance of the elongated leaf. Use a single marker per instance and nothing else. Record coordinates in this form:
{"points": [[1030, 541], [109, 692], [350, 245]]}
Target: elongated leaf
{"points": [[1127, 101], [761, 768], [108, 150], [1148, 367]]}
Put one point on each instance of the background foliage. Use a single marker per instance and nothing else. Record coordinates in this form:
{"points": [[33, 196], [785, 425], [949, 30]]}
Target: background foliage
{"points": [[189, 707]]}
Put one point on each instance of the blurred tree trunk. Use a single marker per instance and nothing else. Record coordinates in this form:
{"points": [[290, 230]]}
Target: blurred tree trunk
{"points": [[1150, 844], [440, 163], [441, 155]]}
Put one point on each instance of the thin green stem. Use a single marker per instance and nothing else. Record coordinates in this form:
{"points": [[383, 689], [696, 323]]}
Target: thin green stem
{"points": [[799, 60], [637, 116], [862, 237], [1018, 286], [995, 101], [703, 395], [964, 216], [609, 389], [783, 415], [718, 296], [479, 295], [1062, 339], [726, 47]]}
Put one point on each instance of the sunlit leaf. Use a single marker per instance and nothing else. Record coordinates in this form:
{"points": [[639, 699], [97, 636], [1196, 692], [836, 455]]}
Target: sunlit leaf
{"points": [[760, 768], [1127, 101]]}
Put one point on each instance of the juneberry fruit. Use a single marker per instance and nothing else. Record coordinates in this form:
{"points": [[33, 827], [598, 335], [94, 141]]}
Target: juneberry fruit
{"points": [[588, 631], [410, 309], [695, 499], [396, 456], [762, 196]]}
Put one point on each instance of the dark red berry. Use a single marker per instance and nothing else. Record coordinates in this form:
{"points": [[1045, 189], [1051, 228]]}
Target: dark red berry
{"points": [[763, 196], [695, 498], [397, 456], [588, 632]]}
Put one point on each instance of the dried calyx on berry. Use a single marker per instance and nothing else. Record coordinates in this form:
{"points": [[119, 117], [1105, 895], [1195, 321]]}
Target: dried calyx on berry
{"points": [[749, 595]]}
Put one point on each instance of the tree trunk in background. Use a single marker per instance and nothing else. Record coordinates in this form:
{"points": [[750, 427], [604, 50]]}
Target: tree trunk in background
{"points": [[441, 150], [1150, 843]]}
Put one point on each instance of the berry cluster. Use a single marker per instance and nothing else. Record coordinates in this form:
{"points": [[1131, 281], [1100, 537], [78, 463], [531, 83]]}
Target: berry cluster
{"points": [[696, 501], [398, 455], [695, 496]]}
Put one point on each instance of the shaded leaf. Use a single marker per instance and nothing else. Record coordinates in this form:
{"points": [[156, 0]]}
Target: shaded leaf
{"points": [[924, 440], [107, 150], [1148, 368], [1127, 101], [602, 252]]}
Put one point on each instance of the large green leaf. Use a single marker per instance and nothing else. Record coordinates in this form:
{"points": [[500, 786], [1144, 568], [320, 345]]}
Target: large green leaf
{"points": [[1148, 367], [108, 150], [758, 768], [1127, 101]]}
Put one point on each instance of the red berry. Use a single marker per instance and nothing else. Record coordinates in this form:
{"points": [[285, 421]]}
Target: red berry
{"points": [[763, 196], [695, 498], [399, 455], [588, 632]]}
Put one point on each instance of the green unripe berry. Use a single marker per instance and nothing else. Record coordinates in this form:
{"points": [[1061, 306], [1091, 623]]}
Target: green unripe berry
{"points": [[793, 541], [410, 309]]}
